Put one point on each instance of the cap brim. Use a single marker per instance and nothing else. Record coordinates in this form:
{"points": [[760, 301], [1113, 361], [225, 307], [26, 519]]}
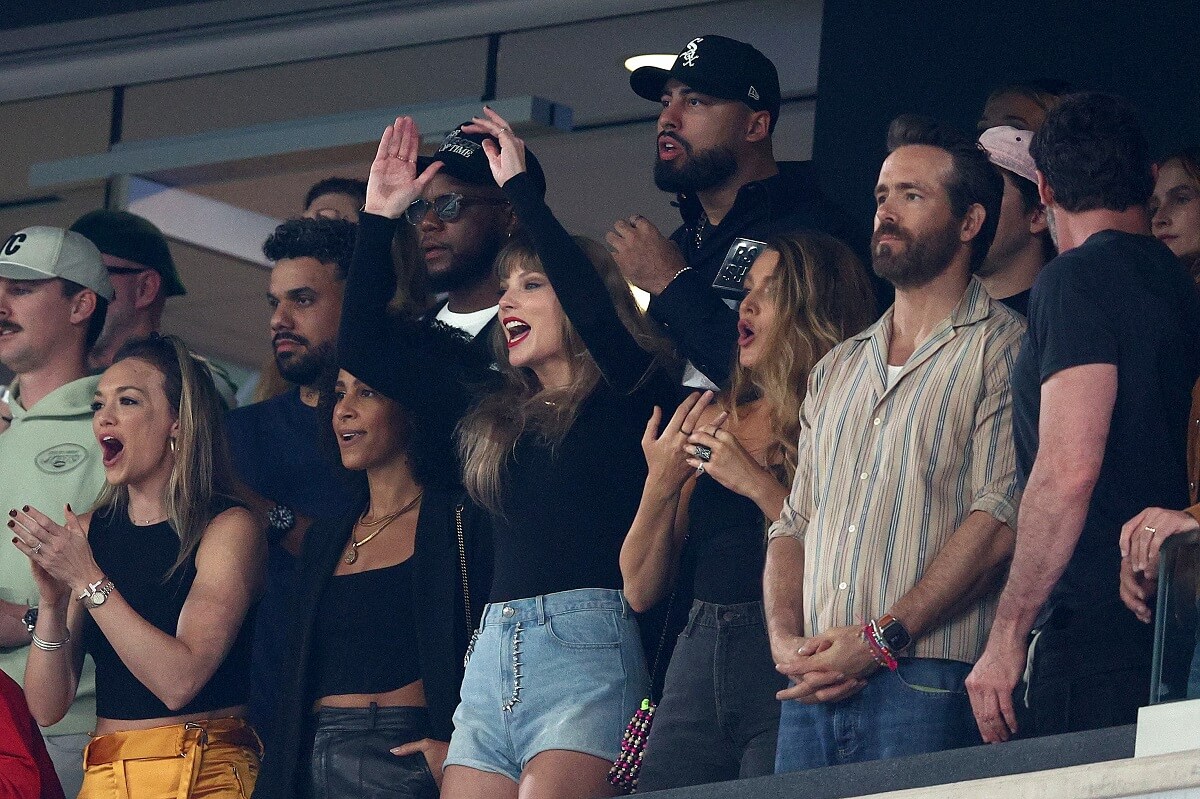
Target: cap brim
{"points": [[648, 82], [14, 271]]}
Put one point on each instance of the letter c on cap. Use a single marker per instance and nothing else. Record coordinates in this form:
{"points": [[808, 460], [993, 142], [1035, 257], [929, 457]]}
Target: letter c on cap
{"points": [[14, 243]]}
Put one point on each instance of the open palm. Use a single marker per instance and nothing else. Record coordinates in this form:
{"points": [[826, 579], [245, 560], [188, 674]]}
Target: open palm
{"points": [[394, 183]]}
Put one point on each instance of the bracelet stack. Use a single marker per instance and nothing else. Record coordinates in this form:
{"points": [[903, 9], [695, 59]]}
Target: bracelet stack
{"points": [[880, 651], [49, 646]]}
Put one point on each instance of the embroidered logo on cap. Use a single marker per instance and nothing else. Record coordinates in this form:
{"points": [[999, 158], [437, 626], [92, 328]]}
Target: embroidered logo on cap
{"points": [[60, 458], [689, 56], [753, 93], [455, 143]]}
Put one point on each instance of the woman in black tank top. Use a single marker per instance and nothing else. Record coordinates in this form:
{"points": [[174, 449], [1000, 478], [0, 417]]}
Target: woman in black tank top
{"points": [[155, 583], [718, 472]]}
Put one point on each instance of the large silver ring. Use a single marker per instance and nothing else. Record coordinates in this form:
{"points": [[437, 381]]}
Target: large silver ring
{"points": [[36, 549], [703, 453]]}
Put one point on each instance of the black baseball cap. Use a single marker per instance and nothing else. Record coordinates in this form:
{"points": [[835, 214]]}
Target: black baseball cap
{"points": [[129, 236], [463, 159], [717, 66]]}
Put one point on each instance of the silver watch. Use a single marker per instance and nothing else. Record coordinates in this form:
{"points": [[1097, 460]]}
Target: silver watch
{"points": [[96, 593]]}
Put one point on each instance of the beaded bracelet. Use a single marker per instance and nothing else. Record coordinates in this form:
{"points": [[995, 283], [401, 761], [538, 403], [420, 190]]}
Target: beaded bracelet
{"points": [[879, 649]]}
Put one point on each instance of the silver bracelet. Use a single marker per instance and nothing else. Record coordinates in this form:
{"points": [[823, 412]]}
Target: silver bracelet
{"points": [[680, 272], [50, 646]]}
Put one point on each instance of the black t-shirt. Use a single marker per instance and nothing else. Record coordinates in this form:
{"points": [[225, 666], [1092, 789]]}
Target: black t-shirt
{"points": [[1119, 299], [1019, 302]]}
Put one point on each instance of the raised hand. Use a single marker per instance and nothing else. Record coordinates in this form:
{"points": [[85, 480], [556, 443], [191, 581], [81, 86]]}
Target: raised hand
{"points": [[664, 452], [646, 258], [60, 555], [394, 183], [506, 160]]}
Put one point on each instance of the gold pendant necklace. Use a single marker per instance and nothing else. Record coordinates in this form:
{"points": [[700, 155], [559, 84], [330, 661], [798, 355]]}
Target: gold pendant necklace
{"points": [[352, 553]]}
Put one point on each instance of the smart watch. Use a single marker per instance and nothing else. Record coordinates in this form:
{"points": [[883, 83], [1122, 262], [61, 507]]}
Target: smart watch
{"points": [[893, 632]]}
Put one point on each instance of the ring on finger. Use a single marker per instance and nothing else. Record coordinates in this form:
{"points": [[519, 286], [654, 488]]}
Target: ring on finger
{"points": [[37, 549], [1150, 529], [700, 469], [702, 452]]}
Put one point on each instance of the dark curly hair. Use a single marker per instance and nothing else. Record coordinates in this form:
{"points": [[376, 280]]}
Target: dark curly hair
{"points": [[1094, 154], [330, 241], [973, 181], [351, 187]]}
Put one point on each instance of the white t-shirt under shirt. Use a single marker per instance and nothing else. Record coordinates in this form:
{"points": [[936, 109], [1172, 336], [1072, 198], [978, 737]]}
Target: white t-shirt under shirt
{"points": [[470, 323], [894, 374]]}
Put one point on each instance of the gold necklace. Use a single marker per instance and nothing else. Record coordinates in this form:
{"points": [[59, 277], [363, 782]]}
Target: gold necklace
{"points": [[352, 554]]}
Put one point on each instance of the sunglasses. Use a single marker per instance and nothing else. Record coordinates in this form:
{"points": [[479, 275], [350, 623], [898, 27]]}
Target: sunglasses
{"points": [[448, 207], [125, 270]]}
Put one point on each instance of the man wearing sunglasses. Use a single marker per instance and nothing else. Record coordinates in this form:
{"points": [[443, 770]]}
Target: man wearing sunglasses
{"points": [[462, 220]]}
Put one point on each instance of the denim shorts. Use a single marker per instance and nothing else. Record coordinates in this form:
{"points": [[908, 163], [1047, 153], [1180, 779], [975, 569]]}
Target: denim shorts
{"points": [[560, 671]]}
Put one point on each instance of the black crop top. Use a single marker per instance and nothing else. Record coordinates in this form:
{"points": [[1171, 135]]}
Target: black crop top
{"points": [[726, 548], [364, 641], [136, 559]]}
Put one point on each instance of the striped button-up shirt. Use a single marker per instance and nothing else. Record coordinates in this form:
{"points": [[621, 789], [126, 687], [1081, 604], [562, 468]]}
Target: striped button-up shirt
{"points": [[886, 475]]}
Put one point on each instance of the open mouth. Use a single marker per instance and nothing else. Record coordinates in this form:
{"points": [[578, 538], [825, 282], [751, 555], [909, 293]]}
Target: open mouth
{"points": [[516, 330], [348, 437], [745, 333], [668, 148], [111, 448]]}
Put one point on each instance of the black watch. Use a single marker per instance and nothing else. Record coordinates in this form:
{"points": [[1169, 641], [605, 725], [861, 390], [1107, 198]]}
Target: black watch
{"points": [[893, 632], [30, 619], [281, 518]]}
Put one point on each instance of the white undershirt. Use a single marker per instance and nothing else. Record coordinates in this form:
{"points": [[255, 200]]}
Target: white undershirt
{"points": [[894, 374], [470, 323]]}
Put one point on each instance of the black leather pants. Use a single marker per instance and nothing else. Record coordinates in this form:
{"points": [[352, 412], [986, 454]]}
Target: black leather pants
{"points": [[351, 754]]}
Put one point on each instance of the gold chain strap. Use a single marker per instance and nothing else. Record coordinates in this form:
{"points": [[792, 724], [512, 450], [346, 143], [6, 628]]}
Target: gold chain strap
{"points": [[462, 563]]}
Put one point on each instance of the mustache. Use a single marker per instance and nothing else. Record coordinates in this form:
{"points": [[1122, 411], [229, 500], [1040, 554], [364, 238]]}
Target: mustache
{"points": [[667, 134], [278, 337], [889, 229]]}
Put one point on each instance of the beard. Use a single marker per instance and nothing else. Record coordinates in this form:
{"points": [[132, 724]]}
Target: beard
{"points": [[700, 170], [462, 274], [921, 261], [305, 368]]}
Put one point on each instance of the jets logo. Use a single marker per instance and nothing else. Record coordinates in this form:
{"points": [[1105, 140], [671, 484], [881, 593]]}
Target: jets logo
{"points": [[60, 458], [753, 93], [689, 56]]}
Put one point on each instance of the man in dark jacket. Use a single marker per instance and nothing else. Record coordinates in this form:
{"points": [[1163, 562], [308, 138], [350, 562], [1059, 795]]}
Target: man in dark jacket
{"points": [[720, 102]]}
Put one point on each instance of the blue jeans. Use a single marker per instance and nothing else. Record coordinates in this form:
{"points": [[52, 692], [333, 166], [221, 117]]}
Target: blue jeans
{"points": [[921, 707]]}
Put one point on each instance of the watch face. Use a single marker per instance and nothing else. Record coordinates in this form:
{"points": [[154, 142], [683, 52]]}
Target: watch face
{"points": [[30, 619], [98, 597]]}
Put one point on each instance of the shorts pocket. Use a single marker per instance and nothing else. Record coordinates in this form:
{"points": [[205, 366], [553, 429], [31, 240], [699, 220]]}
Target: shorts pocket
{"points": [[585, 629]]}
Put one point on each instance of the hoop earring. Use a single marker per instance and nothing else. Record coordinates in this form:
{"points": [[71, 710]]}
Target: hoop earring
{"points": [[172, 444]]}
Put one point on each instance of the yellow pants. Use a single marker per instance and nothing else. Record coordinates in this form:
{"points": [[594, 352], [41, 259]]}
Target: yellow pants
{"points": [[201, 760]]}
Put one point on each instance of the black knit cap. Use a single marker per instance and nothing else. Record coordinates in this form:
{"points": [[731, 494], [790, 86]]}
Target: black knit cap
{"points": [[463, 159], [720, 67], [129, 236]]}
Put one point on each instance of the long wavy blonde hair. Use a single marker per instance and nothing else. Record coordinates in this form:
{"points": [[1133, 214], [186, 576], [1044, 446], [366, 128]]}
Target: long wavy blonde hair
{"points": [[487, 436], [203, 467], [822, 296]]}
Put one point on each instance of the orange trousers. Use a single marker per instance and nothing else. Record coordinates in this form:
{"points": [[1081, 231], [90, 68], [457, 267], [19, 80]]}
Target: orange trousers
{"points": [[215, 759]]}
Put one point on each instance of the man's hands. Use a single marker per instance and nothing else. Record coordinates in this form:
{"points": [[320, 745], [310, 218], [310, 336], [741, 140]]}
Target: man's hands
{"points": [[828, 667], [646, 258], [12, 629], [393, 183], [991, 683]]}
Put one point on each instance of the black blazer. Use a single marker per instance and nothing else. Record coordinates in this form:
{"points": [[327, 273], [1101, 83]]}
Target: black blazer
{"points": [[442, 631]]}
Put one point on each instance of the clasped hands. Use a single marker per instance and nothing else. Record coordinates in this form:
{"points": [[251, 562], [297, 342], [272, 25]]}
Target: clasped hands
{"points": [[59, 555], [828, 667]]}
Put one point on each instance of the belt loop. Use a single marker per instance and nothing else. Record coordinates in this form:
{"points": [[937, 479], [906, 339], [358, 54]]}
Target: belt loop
{"points": [[541, 609], [625, 609], [691, 622], [373, 715]]}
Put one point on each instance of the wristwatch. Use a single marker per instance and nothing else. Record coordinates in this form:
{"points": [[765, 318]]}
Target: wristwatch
{"points": [[30, 618], [893, 632], [281, 518], [96, 593]]}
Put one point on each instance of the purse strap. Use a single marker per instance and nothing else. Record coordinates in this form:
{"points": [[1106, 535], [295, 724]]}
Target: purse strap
{"points": [[462, 563]]}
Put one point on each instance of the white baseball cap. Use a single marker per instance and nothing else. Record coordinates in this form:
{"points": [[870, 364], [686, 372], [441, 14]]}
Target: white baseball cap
{"points": [[42, 253]]}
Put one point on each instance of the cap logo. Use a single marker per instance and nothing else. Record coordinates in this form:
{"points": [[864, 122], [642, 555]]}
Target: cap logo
{"points": [[13, 245], [689, 56], [455, 143], [753, 93]]}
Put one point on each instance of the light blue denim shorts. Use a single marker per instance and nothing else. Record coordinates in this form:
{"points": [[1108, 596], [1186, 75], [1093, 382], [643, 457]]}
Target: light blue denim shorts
{"points": [[560, 671]]}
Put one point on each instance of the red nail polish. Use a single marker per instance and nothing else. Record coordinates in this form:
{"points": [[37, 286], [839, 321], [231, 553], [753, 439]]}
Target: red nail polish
{"points": [[25, 508], [12, 512], [12, 524]]}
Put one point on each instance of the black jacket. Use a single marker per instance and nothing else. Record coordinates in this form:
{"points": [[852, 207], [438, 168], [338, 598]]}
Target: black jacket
{"points": [[436, 602], [699, 321]]}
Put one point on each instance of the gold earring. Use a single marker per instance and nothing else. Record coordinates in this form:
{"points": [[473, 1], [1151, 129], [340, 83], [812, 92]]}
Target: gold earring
{"points": [[171, 441]]}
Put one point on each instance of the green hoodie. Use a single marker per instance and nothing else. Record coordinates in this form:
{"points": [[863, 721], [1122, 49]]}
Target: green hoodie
{"points": [[49, 458]]}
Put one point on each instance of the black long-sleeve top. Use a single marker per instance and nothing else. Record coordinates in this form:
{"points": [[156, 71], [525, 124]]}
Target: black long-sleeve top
{"points": [[566, 510], [698, 320]]}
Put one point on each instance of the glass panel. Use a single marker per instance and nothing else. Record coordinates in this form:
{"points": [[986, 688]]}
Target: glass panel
{"points": [[1177, 623]]}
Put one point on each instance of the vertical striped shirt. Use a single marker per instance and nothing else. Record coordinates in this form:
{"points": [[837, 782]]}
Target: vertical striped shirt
{"points": [[887, 474]]}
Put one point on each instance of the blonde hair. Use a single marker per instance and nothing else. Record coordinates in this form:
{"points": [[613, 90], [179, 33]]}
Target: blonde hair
{"points": [[203, 468], [488, 435], [822, 296]]}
